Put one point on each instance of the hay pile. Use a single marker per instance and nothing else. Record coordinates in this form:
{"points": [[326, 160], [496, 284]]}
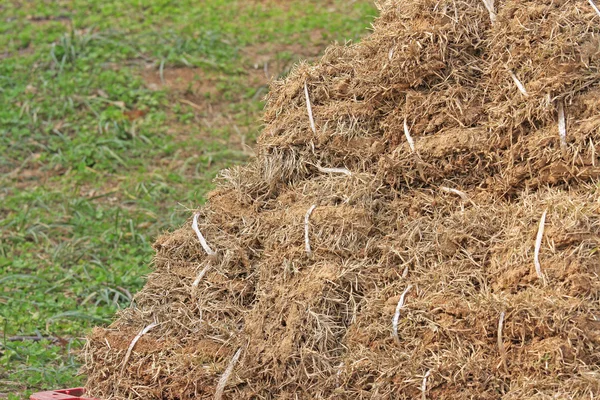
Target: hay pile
{"points": [[445, 129]]}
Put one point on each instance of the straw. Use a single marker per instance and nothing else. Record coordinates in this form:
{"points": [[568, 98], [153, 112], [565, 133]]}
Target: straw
{"points": [[306, 238], [334, 170], [457, 192], [409, 138], [225, 377], [489, 5], [424, 385], [538, 244], [397, 314], [133, 342], [200, 276], [309, 109], [518, 83], [501, 349], [594, 7], [562, 126], [203, 243]]}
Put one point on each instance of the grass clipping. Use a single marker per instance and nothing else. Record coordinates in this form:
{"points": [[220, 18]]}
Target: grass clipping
{"points": [[261, 317]]}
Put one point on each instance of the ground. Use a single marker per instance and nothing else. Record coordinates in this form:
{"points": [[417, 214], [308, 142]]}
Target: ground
{"points": [[115, 118]]}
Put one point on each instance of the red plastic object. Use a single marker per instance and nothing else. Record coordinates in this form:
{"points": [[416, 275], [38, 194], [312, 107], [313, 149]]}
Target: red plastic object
{"points": [[64, 394]]}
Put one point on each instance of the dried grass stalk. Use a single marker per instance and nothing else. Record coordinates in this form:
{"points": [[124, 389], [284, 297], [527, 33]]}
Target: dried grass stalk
{"points": [[409, 138], [457, 192], [501, 349], [562, 126], [133, 342], [225, 377], [309, 109], [397, 314], [518, 83], [203, 243], [200, 276], [424, 385], [594, 7], [339, 369], [306, 221], [538, 244], [489, 5], [334, 170]]}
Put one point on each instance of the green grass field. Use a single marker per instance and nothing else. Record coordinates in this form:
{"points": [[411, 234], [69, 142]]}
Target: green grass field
{"points": [[114, 118]]}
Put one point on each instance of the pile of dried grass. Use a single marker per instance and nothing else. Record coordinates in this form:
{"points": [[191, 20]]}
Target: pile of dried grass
{"points": [[444, 154]]}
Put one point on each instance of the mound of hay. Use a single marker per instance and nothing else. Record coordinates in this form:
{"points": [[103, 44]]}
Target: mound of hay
{"points": [[433, 234]]}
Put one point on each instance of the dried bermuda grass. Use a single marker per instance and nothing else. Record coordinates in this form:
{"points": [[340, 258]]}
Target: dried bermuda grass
{"points": [[447, 169]]}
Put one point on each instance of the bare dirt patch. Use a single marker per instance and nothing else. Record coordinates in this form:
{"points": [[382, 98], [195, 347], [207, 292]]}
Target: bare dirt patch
{"points": [[194, 89], [199, 91], [45, 20], [285, 4], [184, 79], [266, 61]]}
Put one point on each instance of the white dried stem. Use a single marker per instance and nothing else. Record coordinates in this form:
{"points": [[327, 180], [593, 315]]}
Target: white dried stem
{"points": [[397, 314], [205, 245], [306, 223], [339, 369], [225, 377], [538, 245], [334, 170], [200, 276], [594, 7], [409, 138], [309, 109], [132, 344], [457, 192], [518, 83], [424, 385], [500, 340], [489, 5], [391, 54], [562, 125], [405, 272]]}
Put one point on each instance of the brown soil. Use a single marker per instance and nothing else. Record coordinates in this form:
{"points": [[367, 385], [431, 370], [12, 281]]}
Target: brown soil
{"points": [[198, 90], [180, 79], [451, 224]]}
